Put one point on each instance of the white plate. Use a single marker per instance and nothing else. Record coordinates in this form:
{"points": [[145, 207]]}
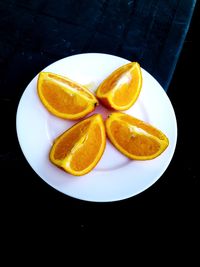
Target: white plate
{"points": [[115, 177]]}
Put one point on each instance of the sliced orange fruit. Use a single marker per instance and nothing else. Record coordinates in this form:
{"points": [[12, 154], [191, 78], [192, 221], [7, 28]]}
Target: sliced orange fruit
{"points": [[121, 88], [79, 149], [63, 97], [135, 138]]}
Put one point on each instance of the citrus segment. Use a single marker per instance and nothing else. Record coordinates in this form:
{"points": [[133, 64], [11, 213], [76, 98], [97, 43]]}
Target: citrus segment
{"points": [[80, 148], [136, 139], [122, 87], [63, 97]]}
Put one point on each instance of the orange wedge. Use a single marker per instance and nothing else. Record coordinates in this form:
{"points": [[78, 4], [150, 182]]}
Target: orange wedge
{"points": [[121, 88], [134, 138], [63, 97], [79, 149]]}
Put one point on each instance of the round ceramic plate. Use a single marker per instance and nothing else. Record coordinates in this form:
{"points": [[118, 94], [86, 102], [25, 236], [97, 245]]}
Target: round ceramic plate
{"points": [[115, 177]]}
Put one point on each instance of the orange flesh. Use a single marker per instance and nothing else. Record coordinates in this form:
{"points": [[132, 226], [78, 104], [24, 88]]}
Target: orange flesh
{"points": [[127, 90], [110, 82], [68, 140], [139, 145], [85, 155], [62, 101], [121, 89], [145, 126], [63, 97], [70, 84], [80, 148]]}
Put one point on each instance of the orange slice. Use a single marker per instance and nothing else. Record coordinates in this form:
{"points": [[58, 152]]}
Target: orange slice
{"points": [[63, 97], [134, 138], [79, 149], [121, 88]]}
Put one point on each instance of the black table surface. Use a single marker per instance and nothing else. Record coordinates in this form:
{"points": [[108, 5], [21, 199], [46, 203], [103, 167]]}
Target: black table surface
{"points": [[26, 197]]}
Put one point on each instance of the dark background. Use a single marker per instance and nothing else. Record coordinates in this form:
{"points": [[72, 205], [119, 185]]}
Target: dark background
{"points": [[34, 34]]}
